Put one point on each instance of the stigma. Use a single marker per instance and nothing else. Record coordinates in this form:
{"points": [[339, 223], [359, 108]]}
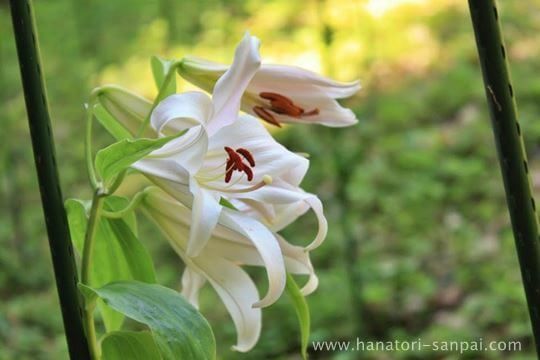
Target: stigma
{"points": [[280, 105]]}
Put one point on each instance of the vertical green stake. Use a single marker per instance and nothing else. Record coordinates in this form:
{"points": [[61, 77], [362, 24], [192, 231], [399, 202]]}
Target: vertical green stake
{"points": [[51, 197], [512, 157]]}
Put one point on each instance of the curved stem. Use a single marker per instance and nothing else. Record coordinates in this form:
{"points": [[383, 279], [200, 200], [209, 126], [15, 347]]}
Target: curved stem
{"points": [[135, 201], [88, 145], [93, 221], [168, 77]]}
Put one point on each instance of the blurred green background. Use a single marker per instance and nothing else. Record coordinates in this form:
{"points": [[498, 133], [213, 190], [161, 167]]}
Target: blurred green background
{"points": [[419, 244]]}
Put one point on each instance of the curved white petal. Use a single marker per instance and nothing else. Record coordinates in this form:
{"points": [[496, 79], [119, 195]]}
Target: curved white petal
{"points": [[268, 248], [191, 284], [238, 293], [231, 86], [166, 169], [294, 81], [205, 214], [282, 194], [297, 262], [179, 112]]}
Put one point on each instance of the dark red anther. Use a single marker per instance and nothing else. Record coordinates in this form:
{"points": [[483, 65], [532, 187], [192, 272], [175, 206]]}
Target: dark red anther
{"points": [[236, 162], [248, 172], [275, 97], [247, 155], [281, 105], [266, 116]]}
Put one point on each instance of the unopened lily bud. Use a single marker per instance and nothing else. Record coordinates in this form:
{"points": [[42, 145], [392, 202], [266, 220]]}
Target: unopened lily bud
{"points": [[127, 108]]}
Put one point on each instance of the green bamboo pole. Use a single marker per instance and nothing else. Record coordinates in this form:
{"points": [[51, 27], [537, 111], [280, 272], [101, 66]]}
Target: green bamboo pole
{"points": [[512, 157], [51, 196]]}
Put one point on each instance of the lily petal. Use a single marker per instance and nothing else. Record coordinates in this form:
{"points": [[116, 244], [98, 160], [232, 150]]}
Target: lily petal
{"points": [[180, 112], [205, 214], [238, 293], [283, 194], [268, 248], [298, 262], [191, 284], [230, 87], [294, 81]]}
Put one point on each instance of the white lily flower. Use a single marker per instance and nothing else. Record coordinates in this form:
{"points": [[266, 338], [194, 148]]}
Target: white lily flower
{"points": [[280, 93], [129, 110], [223, 155], [220, 261]]}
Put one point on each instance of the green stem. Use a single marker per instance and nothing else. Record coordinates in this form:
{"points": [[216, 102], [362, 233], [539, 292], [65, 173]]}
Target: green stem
{"points": [[60, 245], [130, 207], [88, 144], [512, 157], [93, 221], [161, 93]]}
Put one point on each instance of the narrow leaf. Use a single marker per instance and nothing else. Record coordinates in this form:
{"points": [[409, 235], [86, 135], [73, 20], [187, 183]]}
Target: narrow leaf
{"points": [[302, 312], [120, 345], [179, 330], [77, 219]]}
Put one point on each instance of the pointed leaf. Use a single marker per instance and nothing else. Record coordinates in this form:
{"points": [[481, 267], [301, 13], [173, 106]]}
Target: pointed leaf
{"points": [[179, 330], [117, 157], [302, 312], [120, 345], [77, 220]]}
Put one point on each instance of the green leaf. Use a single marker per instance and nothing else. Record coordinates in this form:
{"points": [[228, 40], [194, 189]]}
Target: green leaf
{"points": [[179, 330], [118, 255], [77, 220], [110, 124], [115, 158], [120, 345], [302, 312], [160, 69]]}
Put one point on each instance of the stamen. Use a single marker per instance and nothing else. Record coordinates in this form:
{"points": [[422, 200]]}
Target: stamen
{"points": [[247, 155], [235, 162], [230, 168], [266, 116], [311, 113], [275, 97], [281, 105]]}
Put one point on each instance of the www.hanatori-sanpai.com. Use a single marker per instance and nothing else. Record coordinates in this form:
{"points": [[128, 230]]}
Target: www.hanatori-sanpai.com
{"points": [[457, 347]]}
